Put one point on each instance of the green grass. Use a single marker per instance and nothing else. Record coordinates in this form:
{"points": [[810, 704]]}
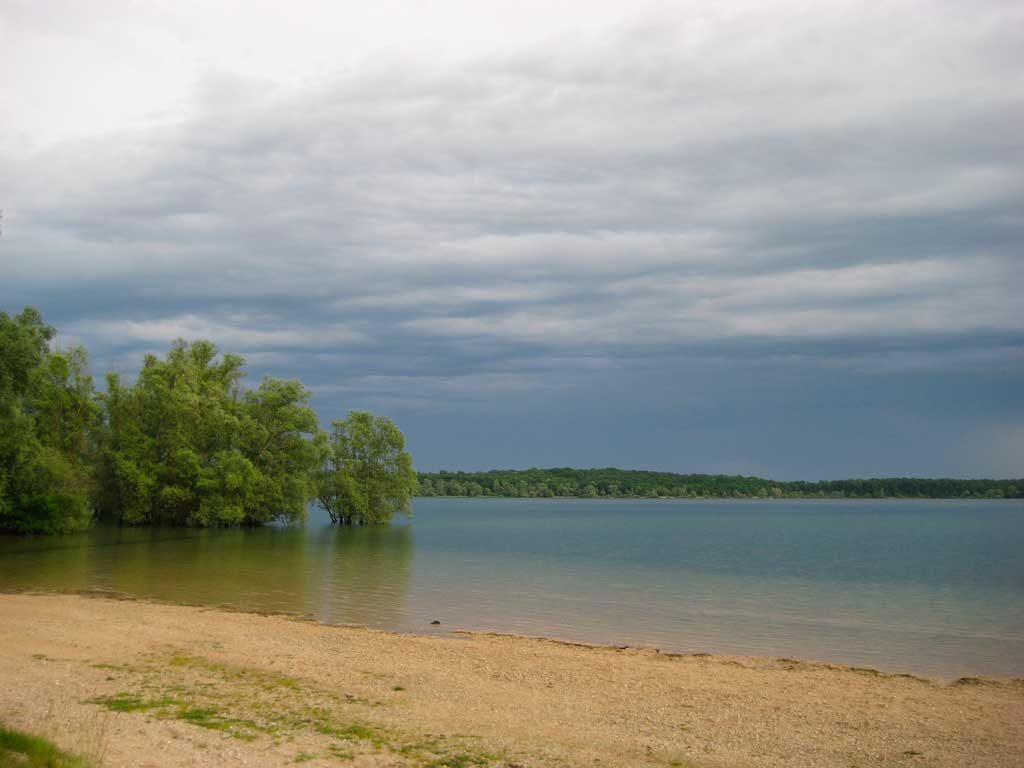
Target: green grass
{"points": [[247, 703], [25, 750], [266, 680], [165, 706], [353, 732], [462, 760], [215, 720], [204, 717], [127, 702]]}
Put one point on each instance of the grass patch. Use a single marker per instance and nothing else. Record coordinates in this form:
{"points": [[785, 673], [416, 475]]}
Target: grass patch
{"points": [[266, 680], [247, 703], [463, 760], [127, 702], [25, 750], [353, 732], [213, 719], [165, 706], [204, 717]]}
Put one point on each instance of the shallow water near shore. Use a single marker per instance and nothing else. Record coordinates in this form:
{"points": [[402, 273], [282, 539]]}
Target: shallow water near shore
{"points": [[930, 587]]}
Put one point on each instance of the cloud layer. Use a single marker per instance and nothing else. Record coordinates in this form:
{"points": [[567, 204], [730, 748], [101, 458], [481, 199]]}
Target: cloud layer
{"points": [[688, 212]]}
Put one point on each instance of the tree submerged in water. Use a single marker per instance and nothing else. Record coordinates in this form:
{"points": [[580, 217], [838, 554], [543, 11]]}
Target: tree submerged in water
{"points": [[368, 475], [185, 443], [47, 418]]}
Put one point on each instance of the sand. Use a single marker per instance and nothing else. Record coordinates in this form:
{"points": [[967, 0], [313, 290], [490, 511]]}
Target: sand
{"points": [[132, 683]]}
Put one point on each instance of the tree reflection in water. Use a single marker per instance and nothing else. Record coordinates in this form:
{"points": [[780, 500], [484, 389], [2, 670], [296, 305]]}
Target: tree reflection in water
{"points": [[363, 574], [355, 575]]}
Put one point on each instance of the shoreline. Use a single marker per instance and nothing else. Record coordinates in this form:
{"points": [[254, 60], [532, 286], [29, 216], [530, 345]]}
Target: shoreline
{"points": [[460, 631], [463, 631], [232, 687]]}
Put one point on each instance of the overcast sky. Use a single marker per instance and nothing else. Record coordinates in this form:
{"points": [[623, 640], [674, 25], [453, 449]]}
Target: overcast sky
{"points": [[771, 238]]}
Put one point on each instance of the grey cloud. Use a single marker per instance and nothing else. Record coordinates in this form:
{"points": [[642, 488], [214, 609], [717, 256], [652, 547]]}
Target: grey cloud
{"points": [[238, 332], [832, 189]]}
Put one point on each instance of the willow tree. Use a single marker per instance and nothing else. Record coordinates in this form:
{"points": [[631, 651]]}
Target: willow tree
{"points": [[47, 418], [187, 445], [367, 475]]}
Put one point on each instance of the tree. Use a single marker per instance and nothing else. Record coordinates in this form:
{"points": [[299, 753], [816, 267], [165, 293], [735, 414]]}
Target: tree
{"points": [[185, 445], [367, 475], [169, 437], [47, 414], [281, 436]]}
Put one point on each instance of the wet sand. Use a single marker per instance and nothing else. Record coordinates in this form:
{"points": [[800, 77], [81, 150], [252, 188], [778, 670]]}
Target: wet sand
{"points": [[131, 683]]}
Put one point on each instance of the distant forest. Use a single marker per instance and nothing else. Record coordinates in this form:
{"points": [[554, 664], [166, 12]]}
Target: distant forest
{"points": [[626, 483]]}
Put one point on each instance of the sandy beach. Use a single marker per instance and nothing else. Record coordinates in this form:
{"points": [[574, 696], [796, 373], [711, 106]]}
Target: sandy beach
{"points": [[131, 683]]}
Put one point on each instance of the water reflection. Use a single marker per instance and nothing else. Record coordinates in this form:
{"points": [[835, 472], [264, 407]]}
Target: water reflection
{"points": [[363, 574], [337, 574]]}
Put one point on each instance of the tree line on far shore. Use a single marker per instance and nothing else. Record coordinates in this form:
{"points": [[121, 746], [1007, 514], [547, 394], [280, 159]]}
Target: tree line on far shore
{"points": [[185, 443], [625, 483]]}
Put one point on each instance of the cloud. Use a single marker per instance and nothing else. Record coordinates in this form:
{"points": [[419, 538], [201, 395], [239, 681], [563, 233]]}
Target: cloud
{"points": [[836, 186], [238, 332]]}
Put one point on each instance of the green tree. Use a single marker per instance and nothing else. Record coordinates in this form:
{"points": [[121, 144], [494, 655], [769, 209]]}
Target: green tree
{"points": [[367, 475], [282, 438], [185, 445], [611, 482], [47, 414]]}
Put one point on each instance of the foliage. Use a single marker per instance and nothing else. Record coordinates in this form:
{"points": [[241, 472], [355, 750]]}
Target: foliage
{"points": [[185, 445], [616, 483], [47, 419], [26, 750], [368, 475]]}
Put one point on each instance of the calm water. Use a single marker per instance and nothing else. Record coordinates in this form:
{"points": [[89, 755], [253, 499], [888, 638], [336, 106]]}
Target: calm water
{"points": [[935, 587]]}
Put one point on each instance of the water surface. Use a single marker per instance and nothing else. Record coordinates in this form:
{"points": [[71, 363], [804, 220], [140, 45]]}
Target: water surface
{"points": [[934, 587]]}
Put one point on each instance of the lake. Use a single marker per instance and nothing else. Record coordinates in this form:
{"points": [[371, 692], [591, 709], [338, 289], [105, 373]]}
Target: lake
{"points": [[932, 587]]}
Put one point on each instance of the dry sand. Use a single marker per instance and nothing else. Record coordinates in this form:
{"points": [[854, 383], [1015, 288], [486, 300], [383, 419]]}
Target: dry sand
{"points": [[142, 684]]}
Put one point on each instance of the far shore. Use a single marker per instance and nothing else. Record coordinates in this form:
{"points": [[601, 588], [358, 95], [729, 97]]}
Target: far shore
{"points": [[135, 683], [722, 498]]}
